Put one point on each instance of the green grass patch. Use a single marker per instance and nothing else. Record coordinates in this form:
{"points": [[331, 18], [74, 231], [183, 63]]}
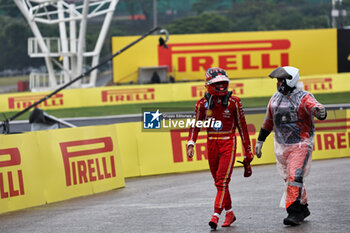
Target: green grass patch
{"points": [[336, 98], [5, 81]]}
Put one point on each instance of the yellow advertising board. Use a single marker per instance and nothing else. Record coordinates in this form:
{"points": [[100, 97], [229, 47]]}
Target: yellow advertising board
{"points": [[127, 141], [332, 139], [186, 91], [47, 166], [81, 161], [241, 54], [165, 151], [21, 177], [167, 156]]}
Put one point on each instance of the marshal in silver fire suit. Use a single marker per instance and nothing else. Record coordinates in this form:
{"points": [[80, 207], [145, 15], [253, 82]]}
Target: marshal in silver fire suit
{"points": [[291, 117]]}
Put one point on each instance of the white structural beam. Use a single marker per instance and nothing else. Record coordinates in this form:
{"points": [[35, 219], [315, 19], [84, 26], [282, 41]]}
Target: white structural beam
{"points": [[42, 15], [69, 49], [29, 17], [81, 39], [101, 39], [64, 41], [73, 42]]}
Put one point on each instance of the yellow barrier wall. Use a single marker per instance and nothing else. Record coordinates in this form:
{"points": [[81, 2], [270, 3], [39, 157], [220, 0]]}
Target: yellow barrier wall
{"points": [[139, 94], [127, 141], [82, 161], [21, 173], [241, 54], [48, 166], [165, 152]]}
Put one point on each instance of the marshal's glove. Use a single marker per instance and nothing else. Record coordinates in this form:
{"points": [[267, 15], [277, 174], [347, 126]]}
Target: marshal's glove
{"points": [[258, 147], [321, 113]]}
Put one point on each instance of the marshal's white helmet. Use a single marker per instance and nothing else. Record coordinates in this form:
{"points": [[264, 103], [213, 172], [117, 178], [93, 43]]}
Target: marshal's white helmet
{"points": [[290, 76]]}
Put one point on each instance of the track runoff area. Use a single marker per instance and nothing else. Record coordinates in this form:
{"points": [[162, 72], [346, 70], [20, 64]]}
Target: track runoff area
{"points": [[183, 202]]}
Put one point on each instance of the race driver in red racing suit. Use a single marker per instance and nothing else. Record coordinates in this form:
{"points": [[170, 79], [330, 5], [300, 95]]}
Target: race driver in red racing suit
{"points": [[219, 104], [290, 114]]}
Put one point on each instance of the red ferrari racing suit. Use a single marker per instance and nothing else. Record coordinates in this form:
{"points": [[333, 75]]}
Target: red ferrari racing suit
{"points": [[291, 117], [221, 142]]}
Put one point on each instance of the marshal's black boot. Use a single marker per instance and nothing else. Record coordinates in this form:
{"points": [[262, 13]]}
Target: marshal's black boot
{"points": [[295, 214], [305, 210]]}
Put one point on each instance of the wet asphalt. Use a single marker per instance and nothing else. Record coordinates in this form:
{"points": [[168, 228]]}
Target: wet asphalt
{"points": [[183, 202]]}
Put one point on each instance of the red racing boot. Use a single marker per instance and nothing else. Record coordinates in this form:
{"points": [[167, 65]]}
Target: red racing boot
{"points": [[229, 219], [214, 222]]}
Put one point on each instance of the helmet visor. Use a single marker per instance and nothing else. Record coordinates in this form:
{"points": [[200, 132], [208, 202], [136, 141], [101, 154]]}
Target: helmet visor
{"points": [[219, 78], [281, 73]]}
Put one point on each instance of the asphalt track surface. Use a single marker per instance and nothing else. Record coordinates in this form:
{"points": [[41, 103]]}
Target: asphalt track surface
{"points": [[183, 203]]}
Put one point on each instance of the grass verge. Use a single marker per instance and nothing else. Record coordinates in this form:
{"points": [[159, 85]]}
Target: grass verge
{"points": [[5, 81]]}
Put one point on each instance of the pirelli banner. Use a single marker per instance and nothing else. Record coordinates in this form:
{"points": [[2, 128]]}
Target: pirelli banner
{"points": [[21, 172], [165, 152], [241, 54], [48, 166], [191, 91]]}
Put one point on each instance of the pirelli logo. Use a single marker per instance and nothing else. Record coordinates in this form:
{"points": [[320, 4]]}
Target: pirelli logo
{"points": [[88, 160], [199, 90], [126, 95], [11, 177], [22, 102], [318, 84], [229, 55], [332, 134], [178, 142]]}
